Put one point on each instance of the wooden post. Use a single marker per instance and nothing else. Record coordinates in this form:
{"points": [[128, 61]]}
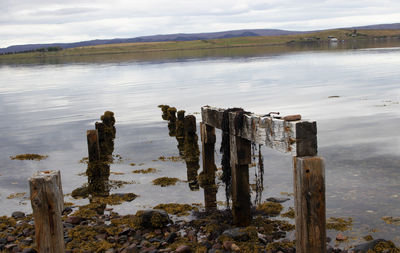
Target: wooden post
{"points": [[47, 203], [208, 146], [93, 145], [240, 160], [309, 193]]}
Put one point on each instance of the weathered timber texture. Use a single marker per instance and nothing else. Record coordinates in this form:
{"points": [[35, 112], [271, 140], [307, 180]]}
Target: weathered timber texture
{"points": [[240, 159], [208, 139], [93, 145], [296, 137], [47, 203], [309, 191]]}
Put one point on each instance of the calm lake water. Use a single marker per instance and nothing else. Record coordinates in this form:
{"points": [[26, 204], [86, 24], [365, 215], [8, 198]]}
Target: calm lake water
{"points": [[47, 108]]}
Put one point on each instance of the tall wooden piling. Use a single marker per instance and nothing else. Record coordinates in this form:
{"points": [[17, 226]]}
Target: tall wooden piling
{"points": [[93, 145], [240, 159], [208, 139], [192, 151], [47, 203], [309, 191]]}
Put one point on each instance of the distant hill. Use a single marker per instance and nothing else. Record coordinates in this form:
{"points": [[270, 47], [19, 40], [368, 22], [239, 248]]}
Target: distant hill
{"points": [[178, 37]]}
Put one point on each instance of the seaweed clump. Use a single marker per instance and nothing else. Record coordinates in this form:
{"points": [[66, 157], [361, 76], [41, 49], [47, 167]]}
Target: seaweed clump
{"points": [[384, 246], [177, 209], [145, 171], [339, 224], [35, 157], [289, 214], [270, 208], [165, 181]]}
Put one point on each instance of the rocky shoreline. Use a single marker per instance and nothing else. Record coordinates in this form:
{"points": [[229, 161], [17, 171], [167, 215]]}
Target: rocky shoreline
{"points": [[95, 228]]}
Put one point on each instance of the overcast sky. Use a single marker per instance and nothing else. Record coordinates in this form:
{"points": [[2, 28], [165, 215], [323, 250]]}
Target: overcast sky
{"points": [[46, 21]]}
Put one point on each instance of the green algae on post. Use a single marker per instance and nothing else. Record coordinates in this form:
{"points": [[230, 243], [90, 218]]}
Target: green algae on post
{"points": [[177, 209], [35, 157], [165, 181]]}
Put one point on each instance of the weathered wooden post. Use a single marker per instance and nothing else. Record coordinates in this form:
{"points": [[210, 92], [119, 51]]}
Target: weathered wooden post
{"points": [[47, 203], [309, 191], [240, 160], [309, 194], [93, 145], [208, 139], [192, 151]]}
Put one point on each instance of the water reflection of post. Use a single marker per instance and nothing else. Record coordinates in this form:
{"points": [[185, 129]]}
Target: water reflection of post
{"points": [[207, 176], [192, 152]]}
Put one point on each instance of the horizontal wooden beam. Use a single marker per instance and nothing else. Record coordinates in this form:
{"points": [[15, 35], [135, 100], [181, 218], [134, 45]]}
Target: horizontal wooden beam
{"points": [[296, 137]]}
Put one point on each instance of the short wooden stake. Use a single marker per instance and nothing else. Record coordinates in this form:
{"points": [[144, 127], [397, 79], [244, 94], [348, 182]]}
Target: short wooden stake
{"points": [[93, 145], [208, 146], [309, 193], [240, 160], [47, 203]]}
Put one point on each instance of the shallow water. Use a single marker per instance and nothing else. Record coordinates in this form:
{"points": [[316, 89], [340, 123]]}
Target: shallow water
{"points": [[47, 109]]}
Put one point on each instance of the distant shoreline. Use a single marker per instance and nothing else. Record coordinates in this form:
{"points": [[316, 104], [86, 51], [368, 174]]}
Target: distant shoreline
{"points": [[327, 37]]}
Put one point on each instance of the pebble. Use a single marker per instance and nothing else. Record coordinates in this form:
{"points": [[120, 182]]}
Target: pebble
{"points": [[341, 237], [74, 220]]}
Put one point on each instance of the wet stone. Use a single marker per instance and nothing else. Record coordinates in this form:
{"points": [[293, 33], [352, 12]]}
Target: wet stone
{"points": [[363, 248], [73, 220], [184, 249], [153, 218], [27, 241], [171, 237], [236, 234], [18, 215], [10, 238], [29, 250]]}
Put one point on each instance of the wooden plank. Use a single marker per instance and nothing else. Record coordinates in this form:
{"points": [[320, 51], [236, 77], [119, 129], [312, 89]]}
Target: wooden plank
{"points": [[208, 139], [309, 191], [47, 203], [296, 137], [240, 151], [93, 145]]}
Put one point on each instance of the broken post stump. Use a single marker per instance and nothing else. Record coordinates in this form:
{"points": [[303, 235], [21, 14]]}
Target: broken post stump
{"points": [[240, 150], [208, 139], [309, 193], [93, 145], [47, 202]]}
